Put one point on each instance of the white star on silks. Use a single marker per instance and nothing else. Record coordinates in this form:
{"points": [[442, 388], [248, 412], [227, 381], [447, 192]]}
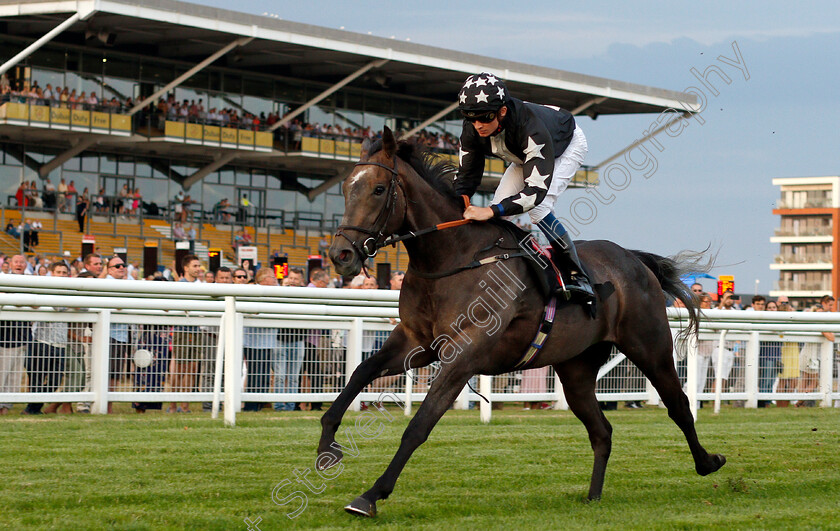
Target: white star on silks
{"points": [[501, 93], [470, 82], [534, 150], [480, 82], [527, 202], [462, 97], [461, 155], [536, 178], [492, 79], [481, 97]]}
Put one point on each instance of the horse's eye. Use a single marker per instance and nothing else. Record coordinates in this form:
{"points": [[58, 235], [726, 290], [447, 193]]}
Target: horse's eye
{"points": [[379, 190]]}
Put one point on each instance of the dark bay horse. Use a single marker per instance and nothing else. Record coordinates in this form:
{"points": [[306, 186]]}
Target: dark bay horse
{"points": [[473, 325]]}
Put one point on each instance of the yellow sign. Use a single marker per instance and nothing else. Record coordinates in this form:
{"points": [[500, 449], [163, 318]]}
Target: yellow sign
{"points": [[212, 133], [264, 140], [246, 138], [100, 120], [194, 131], [120, 122], [726, 283], [60, 115], [174, 129], [228, 135], [80, 118], [39, 113]]}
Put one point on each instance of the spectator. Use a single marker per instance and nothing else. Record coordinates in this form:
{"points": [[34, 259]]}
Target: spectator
{"points": [[317, 347], [45, 361], [82, 202], [289, 360], [35, 227], [731, 348], [62, 195], [93, 264], [209, 277], [240, 276], [77, 367], [259, 347], [809, 361], [224, 275], [397, 280], [788, 380], [769, 357], [14, 337], [178, 231], [187, 343], [120, 332]]}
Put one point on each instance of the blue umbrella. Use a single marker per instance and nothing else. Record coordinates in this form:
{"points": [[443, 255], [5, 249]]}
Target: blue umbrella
{"points": [[691, 278]]}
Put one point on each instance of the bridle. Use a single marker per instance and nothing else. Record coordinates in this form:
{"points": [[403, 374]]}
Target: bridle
{"points": [[371, 245]]}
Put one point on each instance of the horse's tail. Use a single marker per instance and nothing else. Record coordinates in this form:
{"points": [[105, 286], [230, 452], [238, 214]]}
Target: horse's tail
{"points": [[669, 270]]}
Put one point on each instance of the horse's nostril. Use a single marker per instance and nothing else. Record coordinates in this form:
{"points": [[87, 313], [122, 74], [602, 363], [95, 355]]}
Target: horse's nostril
{"points": [[344, 255]]}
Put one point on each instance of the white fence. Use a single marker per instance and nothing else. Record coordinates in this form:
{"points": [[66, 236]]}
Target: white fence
{"points": [[99, 341]]}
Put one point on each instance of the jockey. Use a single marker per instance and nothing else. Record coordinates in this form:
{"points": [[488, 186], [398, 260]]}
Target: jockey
{"points": [[544, 148]]}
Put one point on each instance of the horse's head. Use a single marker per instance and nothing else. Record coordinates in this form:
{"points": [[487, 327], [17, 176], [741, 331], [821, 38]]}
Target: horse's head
{"points": [[374, 206]]}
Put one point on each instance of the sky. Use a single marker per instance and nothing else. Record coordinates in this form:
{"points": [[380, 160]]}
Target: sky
{"points": [[708, 185]]}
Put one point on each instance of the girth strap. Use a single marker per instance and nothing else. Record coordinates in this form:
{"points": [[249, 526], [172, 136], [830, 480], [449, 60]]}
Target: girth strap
{"points": [[541, 337]]}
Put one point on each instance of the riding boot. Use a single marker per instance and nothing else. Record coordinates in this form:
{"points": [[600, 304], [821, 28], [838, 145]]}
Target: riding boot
{"points": [[566, 255]]}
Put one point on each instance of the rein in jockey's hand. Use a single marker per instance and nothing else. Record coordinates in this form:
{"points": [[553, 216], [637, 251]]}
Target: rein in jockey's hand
{"points": [[478, 213]]}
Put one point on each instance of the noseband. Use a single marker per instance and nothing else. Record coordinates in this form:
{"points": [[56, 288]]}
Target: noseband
{"points": [[371, 245]]}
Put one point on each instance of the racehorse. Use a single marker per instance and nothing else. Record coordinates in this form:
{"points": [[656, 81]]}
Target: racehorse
{"points": [[401, 189]]}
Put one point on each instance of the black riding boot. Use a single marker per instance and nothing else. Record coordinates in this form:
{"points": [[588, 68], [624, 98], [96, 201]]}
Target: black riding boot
{"points": [[566, 257]]}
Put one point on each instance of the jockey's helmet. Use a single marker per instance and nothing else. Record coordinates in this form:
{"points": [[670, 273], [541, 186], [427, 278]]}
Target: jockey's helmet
{"points": [[482, 95]]}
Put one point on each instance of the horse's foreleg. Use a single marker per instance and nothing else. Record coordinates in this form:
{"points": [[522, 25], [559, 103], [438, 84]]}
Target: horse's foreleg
{"points": [[391, 359], [442, 394], [578, 376]]}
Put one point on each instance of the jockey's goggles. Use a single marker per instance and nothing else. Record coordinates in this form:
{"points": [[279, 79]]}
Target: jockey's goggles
{"points": [[484, 117]]}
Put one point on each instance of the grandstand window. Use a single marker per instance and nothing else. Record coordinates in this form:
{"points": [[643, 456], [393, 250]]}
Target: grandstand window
{"points": [[10, 157], [243, 178], [74, 164], [91, 66], [90, 163], [10, 177], [258, 179], [318, 114], [48, 57], [82, 83], [232, 84], [54, 78], [108, 164], [118, 88], [122, 67], [125, 165], [227, 176], [159, 73], [143, 169]]}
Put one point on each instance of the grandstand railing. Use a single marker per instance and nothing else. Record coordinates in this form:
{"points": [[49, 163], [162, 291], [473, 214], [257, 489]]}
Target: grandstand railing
{"points": [[205, 338]]}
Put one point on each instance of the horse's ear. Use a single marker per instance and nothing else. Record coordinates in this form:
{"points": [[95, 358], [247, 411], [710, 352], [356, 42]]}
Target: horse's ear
{"points": [[365, 149], [389, 143]]}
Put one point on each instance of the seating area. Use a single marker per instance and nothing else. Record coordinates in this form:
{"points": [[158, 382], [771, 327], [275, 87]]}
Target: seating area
{"points": [[60, 233]]}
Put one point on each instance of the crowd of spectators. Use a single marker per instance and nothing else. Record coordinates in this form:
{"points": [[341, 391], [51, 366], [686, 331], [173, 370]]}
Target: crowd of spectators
{"points": [[62, 97], [54, 355], [784, 365]]}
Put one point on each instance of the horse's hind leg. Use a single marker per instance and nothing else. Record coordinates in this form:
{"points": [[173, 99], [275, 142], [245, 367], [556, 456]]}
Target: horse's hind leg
{"points": [[446, 387], [578, 376], [651, 351], [390, 360]]}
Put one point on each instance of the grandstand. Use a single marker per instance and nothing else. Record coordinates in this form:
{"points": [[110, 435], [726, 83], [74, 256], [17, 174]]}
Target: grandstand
{"points": [[167, 97]]}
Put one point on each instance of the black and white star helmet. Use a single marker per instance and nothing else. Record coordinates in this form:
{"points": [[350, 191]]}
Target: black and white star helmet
{"points": [[482, 93]]}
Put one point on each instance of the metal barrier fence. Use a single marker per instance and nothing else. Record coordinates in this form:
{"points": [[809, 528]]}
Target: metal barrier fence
{"points": [[93, 341]]}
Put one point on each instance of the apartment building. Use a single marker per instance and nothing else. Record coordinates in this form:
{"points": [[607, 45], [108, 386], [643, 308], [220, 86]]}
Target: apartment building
{"points": [[808, 211]]}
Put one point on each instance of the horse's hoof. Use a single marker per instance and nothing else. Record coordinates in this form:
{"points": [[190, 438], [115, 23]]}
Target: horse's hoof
{"points": [[715, 462], [325, 464], [361, 507]]}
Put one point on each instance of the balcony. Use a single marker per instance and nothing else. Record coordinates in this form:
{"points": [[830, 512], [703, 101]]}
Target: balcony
{"points": [[815, 203], [796, 285], [819, 231], [815, 258]]}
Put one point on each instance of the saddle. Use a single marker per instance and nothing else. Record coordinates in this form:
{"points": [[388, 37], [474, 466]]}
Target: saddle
{"points": [[551, 277]]}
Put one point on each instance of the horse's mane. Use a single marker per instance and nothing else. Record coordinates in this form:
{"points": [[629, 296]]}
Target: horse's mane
{"points": [[438, 172]]}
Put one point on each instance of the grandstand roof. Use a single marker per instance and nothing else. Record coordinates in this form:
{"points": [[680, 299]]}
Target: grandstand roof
{"points": [[191, 32]]}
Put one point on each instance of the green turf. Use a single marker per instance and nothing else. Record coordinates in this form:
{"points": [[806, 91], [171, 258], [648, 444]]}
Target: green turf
{"points": [[526, 470]]}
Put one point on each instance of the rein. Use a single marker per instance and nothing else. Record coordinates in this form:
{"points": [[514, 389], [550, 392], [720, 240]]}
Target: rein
{"points": [[371, 245]]}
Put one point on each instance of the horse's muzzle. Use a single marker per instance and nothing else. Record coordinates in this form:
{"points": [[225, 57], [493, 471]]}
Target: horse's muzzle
{"points": [[345, 258]]}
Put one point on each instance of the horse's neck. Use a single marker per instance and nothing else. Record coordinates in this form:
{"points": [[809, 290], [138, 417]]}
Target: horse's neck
{"points": [[442, 249]]}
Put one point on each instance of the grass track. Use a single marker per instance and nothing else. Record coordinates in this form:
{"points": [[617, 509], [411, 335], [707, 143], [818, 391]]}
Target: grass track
{"points": [[526, 470]]}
